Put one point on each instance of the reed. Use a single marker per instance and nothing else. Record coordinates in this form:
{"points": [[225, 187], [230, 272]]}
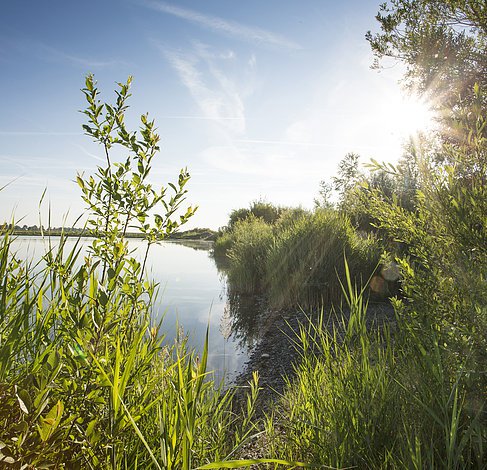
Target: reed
{"points": [[85, 381], [371, 399]]}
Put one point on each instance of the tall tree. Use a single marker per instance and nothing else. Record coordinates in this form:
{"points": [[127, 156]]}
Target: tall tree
{"points": [[443, 44]]}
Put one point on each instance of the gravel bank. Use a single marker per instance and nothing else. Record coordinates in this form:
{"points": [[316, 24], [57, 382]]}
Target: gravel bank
{"points": [[275, 354]]}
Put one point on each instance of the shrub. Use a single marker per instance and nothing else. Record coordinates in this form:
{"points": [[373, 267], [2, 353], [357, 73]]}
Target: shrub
{"points": [[303, 262], [259, 209], [251, 241]]}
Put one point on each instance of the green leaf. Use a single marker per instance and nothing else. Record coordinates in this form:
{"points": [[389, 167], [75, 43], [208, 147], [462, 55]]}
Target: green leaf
{"points": [[103, 298], [24, 401], [49, 423]]}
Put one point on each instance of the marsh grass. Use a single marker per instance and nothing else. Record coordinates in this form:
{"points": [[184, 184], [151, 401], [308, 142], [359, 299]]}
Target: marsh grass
{"points": [[304, 259], [371, 399], [296, 260], [85, 383]]}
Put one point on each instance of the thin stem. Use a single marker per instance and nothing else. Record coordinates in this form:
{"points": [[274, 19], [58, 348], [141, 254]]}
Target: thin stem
{"points": [[107, 223], [145, 261], [140, 280]]}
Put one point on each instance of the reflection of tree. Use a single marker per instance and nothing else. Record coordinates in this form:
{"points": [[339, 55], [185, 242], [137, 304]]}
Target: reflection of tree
{"points": [[243, 315], [246, 315], [221, 263], [197, 245]]}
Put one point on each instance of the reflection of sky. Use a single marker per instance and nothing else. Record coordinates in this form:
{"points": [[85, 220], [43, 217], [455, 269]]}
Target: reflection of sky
{"points": [[191, 295]]}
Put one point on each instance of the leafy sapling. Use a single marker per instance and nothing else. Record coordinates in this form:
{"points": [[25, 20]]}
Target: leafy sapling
{"points": [[119, 195]]}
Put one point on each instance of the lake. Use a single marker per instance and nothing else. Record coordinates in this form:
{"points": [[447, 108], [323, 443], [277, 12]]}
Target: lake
{"points": [[192, 295]]}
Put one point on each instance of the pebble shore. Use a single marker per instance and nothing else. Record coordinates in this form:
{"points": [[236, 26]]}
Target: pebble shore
{"points": [[276, 353]]}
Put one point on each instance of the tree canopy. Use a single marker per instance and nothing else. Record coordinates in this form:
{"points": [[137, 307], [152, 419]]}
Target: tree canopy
{"points": [[442, 43]]}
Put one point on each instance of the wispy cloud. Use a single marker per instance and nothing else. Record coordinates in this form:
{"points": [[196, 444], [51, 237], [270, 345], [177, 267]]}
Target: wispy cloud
{"points": [[221, 25], [51, 53], [215, 93]]}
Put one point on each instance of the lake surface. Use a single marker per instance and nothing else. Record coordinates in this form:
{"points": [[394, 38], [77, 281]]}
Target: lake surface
{"points": [[192, 294]]}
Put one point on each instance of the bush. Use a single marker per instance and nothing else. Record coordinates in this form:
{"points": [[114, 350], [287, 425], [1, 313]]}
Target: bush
{"points": [[251, 241], [303, 262], [259, 209]]}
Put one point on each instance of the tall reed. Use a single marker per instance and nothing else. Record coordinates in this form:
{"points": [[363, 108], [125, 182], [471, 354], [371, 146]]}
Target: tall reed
{"points": [[85, 381], [373, 399]]}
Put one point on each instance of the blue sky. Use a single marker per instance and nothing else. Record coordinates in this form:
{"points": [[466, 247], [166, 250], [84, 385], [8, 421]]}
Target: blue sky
{"points": [[259, 99]]}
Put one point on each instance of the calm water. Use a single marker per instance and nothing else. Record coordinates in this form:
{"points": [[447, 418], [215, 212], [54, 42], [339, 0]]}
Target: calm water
{"points": [[192, 295]]}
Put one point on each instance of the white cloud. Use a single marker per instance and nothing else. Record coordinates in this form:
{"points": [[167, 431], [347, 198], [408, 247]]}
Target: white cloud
{"points": [[50, 53], [217, 24], [216, 94]]}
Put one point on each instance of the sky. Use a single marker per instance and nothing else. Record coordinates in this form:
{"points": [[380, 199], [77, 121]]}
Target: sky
{"points": [[258, 99]]}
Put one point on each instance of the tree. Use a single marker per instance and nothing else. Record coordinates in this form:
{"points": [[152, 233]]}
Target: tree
{"points": [[442, 43]]}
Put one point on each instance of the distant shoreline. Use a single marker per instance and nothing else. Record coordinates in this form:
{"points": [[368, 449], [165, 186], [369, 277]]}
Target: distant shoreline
{"points": [[204, 234]]}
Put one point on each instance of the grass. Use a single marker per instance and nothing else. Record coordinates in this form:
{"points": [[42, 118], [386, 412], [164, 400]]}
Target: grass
{"points": [[369, 399], [86, 383], [296, 260]]}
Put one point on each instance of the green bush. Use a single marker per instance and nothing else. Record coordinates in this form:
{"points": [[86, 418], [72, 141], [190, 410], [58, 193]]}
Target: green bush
{"points": [[304, 260], [251, 241], [259, 209], [222, 244]]}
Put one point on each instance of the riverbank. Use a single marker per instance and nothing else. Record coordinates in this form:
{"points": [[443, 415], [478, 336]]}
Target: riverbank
{"points": [[194, 234], [276, 357], [277, 352]]}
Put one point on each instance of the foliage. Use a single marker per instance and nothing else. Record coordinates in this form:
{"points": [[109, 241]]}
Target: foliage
{"points": [[120, 196], [302, 262], [259, 209], [85, 381], [446, 264], [294, 261], [441, 42], [367, 399], [251, 241], [348, 185]]}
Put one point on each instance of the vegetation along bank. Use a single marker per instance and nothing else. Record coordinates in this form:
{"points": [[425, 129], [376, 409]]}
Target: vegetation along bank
{"points": [[86, 381]]}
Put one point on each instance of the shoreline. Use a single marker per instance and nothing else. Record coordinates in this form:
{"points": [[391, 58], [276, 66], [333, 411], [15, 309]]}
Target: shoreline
{"points": [[275, 355]]}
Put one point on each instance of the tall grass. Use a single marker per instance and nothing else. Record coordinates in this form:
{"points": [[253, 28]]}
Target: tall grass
{"points": [[303, 262], [296, 260], [86, 383], [369, 399], [251, 241]]}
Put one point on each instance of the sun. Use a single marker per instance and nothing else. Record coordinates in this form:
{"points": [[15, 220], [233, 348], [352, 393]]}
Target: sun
{"points": [[401, 119], [412, 116]]}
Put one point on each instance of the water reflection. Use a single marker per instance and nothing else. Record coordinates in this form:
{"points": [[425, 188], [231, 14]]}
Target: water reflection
{"points": [[243, 318], [193, 296]]}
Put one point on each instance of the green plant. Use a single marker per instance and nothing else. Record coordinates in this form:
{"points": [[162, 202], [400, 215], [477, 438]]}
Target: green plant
{"points": [[85, 381], [302, 262], [374, 399], [251, 240]]}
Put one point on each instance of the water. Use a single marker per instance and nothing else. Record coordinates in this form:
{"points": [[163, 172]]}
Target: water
{"points": [[192, 294]]}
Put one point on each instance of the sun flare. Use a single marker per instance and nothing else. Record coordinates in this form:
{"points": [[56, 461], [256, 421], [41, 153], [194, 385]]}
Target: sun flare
{"points": [[400, 118], [412, 116]]}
